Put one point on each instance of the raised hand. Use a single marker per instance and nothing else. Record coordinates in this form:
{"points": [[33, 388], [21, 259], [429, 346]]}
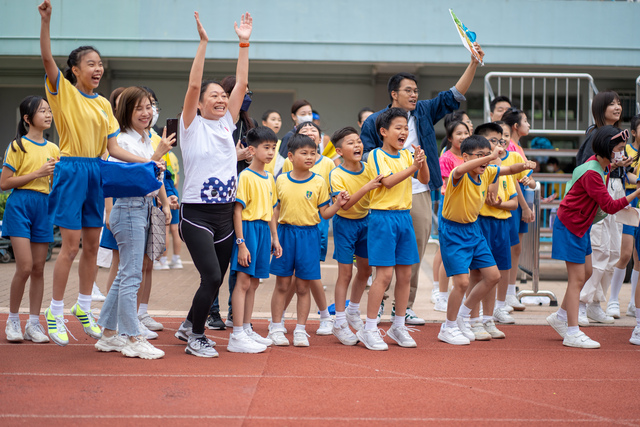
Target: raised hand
{"points": [[497, 152], [244, 29], [529, 164], [201, 32], [480, 53], [45, 10]]}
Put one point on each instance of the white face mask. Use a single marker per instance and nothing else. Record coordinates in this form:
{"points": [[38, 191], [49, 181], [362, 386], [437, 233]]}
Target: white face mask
{"points": [[155, 117], [303, 119], [618, 156], [550, 169]]}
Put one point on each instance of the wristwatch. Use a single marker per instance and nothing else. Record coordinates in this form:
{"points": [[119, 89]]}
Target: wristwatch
{"points": [[239, 241]]}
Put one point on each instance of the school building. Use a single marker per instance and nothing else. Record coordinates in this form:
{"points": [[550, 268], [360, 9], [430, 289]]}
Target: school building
{"points": [[336, 54]]}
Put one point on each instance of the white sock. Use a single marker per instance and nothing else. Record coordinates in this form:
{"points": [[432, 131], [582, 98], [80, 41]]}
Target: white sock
{"points": [[464, 311], [474, 320], [443, 295], [300, 327], [572, 330], [638, 317], [371, 324], [562, 314], [436, 286], [499, 304], [142, 310], [238, 330], [451, 324], [324, 314], [57, 307], [583, 306], [163, 259], [14, 316], [353, 307], [247, 327], [486, 319], [34, 319], [633, 291], [341, 317], [175, 258], [398, 321], [634, 279], [511, 290], [616, 282], [84, 301]]}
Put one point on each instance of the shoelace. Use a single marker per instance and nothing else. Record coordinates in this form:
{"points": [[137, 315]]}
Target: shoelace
{"points": [[39, 328], [203, 342], [92, 319], [60, 326], [410, 329], [301, 332]]}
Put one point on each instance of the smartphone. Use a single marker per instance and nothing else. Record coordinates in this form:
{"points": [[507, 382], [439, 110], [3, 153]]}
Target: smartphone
{"points": [[172, 127]]}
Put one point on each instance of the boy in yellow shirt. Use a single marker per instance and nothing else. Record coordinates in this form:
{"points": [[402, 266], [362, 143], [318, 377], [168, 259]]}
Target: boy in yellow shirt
{"points": [[391, 240], [463, 246], [301, 195]]}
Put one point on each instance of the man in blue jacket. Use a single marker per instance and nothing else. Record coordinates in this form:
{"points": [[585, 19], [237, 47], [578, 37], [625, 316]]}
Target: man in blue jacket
{"points": [[423, 115]]}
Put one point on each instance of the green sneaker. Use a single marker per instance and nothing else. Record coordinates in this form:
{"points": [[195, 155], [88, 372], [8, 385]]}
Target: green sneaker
{"points": [[56, 328], [88, 322]]}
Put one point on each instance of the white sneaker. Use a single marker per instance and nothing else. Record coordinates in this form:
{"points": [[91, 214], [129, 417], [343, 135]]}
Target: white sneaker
{"points": [[276, 335], [344, 334], [613, 309], [400, 334], [145, 332], [465, 328], [150, 323], [369, 281], [631, 310], [513, 301], [506, 307], [434, 295], [300, 339], [35, 333], [452, 336], [176, 265], [410, 318], [635, 336], [229, 322], [580, 340], [14, 331], [501, 316], [241, 343], [354, 320], [325, 328], [199, 346], [141, 348], [160, 265], [114, 343], [257, 337], [96, 295], [280, 326], [479, 333], [184, 332], [441, 305], [372, 339], [492, 330], [557, 324], [595, 313], [583, 320]]}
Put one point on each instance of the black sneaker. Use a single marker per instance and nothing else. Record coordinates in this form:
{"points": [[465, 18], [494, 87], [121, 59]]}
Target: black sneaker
{"points": [[214, 321]]}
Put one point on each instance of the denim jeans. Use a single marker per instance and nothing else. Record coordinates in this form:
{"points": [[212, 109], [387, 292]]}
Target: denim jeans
{"points": [[129, 221]]}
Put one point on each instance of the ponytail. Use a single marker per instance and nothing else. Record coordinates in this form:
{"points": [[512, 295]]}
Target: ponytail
{"points": [[28, 107], [74, 61]]}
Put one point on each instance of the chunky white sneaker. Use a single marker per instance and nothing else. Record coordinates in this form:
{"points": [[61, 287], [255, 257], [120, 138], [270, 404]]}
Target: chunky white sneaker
{"points": [[507, 308], [372, 339], [400, 334], [112, 343], [354, 320], [35, 333], [88, 321], [501, 316], [199, 346], [613, 309], [276, 334], [150, 323], [56, 328], [513, 301], [583, 320], [580, 340], [344, 334], [241, 343], [631, 310], [595, 313], [96, 295], [441, 304], [490, 327], [557, 324], [465, 328], [145, 332], [141, 348], [14, 331], [184, 332], [161, 265], [479, 332], [176, 264], [300, 339], [635, 336], [410, 318], [452, 336], [326, 325], [258, 338]]}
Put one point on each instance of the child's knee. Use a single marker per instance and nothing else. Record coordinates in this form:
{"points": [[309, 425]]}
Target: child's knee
{"points": [[492, 276]]}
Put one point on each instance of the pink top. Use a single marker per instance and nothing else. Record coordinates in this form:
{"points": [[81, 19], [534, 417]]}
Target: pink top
{"points": [[448, 162], [517, 148]]}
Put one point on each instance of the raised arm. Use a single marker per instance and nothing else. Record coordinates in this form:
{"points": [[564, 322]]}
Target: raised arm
{"points": [[50, 66], [467, 77], [191, 99], [458, 172], [242, 68]]}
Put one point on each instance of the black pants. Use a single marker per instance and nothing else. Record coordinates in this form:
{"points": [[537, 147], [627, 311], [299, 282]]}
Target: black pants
{"points": [[207, 230]]}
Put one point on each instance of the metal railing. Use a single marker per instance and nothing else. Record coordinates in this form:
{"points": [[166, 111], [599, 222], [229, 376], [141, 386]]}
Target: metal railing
{"points": [[559, 104]]}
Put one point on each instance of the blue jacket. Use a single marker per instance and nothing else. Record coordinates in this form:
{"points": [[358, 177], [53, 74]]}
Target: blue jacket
{"points": [[427, 114]]}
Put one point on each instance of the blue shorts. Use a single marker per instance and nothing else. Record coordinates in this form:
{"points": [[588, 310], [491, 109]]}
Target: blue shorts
{"points": [[463, 247], [107, 240], [566, 246], [324, 237], [628, 229], [76, 200], [349, 238], [300, 252], [26, 215], [496, 233], [637, 242], [514, 226], [391, 239], [257, 237]]}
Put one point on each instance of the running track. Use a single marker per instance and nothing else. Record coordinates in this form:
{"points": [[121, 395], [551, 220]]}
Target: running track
{"points": [[528, 378]]}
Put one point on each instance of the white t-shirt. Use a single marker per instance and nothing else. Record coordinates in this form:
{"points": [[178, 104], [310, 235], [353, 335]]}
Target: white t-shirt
{"points": [[416, 186], [209, 158], [136, 144]]}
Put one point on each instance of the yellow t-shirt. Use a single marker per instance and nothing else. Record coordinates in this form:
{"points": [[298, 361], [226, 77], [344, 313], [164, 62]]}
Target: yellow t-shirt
{"points": [[506, 191], [323, 167], [257, 194], [22, 163], [329, 150], [300, 200], [631, 152], [271, 166], [463, 200], [342, 179], [397, 197], [510, 159], [84, 122]]}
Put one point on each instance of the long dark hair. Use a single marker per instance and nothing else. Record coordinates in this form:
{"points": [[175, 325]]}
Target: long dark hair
{"points": [[74, 61], [599, 105], [28, 107], [451, 127]]}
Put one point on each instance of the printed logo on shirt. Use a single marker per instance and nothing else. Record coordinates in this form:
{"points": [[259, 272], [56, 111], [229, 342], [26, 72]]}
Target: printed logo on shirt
{"points": [[309, 194], [504, 185]]}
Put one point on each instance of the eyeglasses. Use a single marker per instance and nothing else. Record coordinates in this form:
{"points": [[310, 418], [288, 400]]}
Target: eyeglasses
{"points": [[495, 141], [624, 135], [480, 155], [410, 91], [156, 105]]}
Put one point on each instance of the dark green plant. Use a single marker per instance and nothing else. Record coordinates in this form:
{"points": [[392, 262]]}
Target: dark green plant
{"points": [[3, 202]]}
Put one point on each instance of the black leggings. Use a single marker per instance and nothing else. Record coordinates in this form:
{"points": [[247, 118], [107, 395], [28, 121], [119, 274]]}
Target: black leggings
{"points": [[207, 230]]}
